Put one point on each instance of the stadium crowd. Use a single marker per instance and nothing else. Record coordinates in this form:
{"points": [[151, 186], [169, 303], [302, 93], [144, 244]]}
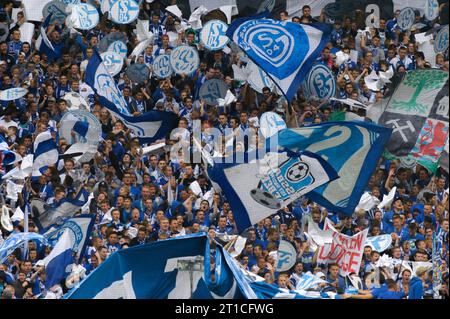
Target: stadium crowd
{"points": [[141, 198]]}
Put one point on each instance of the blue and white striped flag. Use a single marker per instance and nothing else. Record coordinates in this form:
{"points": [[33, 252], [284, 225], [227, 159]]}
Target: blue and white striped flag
{"points": [[284, 50], [57, 262], [149, 126], [66, 208], [45, 153]]}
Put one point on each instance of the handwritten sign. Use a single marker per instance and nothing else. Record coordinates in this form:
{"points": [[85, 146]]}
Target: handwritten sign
{"points": [[85, 16], [213, 35], [287, 256], [161, 66], [124, 11], [184, 59], [406, 18], [346, 251], [212, 90], [12, 94]]}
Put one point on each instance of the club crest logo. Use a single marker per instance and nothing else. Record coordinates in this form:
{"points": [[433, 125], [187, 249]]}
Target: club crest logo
{"points": [[320, 82], [161, 66], [273, 45]]}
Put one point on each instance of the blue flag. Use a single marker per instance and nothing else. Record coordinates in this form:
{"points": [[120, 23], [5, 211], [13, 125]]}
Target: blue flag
{"points": [[149, 126], [80, 228], [57, 262], [256, 190], [45, 153], [66, 208], [351, 148], [286, 51], [16, 240], [162, 270]]}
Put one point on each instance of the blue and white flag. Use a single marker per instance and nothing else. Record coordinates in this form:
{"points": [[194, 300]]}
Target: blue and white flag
{"points": [[258, 188], [160, 270], [43, 43], [66, 208], [286, 51], [351, 148], [308, 281], [45, 153], [149, 126], [9, 157], [379, 243], [16, 240], [79, 227], [58, 263]]}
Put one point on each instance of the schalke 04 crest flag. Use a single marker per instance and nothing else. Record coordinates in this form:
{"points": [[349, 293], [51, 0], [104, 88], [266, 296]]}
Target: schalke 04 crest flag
{"points": [[351, 148], [149, 126], [286, 51], [257, 188]]}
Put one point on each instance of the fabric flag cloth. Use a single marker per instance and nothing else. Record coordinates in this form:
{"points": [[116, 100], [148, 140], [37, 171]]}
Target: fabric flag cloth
{"points": [[267, 189], [161, 270], [149, 126], [388, 199], [417, 111], [43, 43], [16, 240], [66, 208], [363, 144], [286, 51], [45, 153], [79, 227], [57, 262], [346, 251], [9, 157]]}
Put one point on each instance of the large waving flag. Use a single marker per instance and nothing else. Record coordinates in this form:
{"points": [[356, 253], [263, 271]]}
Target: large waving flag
{"points": [[149, 126], [161, 270], [255, 189], [351, 148], [45, 153], [66, 208], [57, 261], [9, 157], [79, 227], [286, 51]]}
